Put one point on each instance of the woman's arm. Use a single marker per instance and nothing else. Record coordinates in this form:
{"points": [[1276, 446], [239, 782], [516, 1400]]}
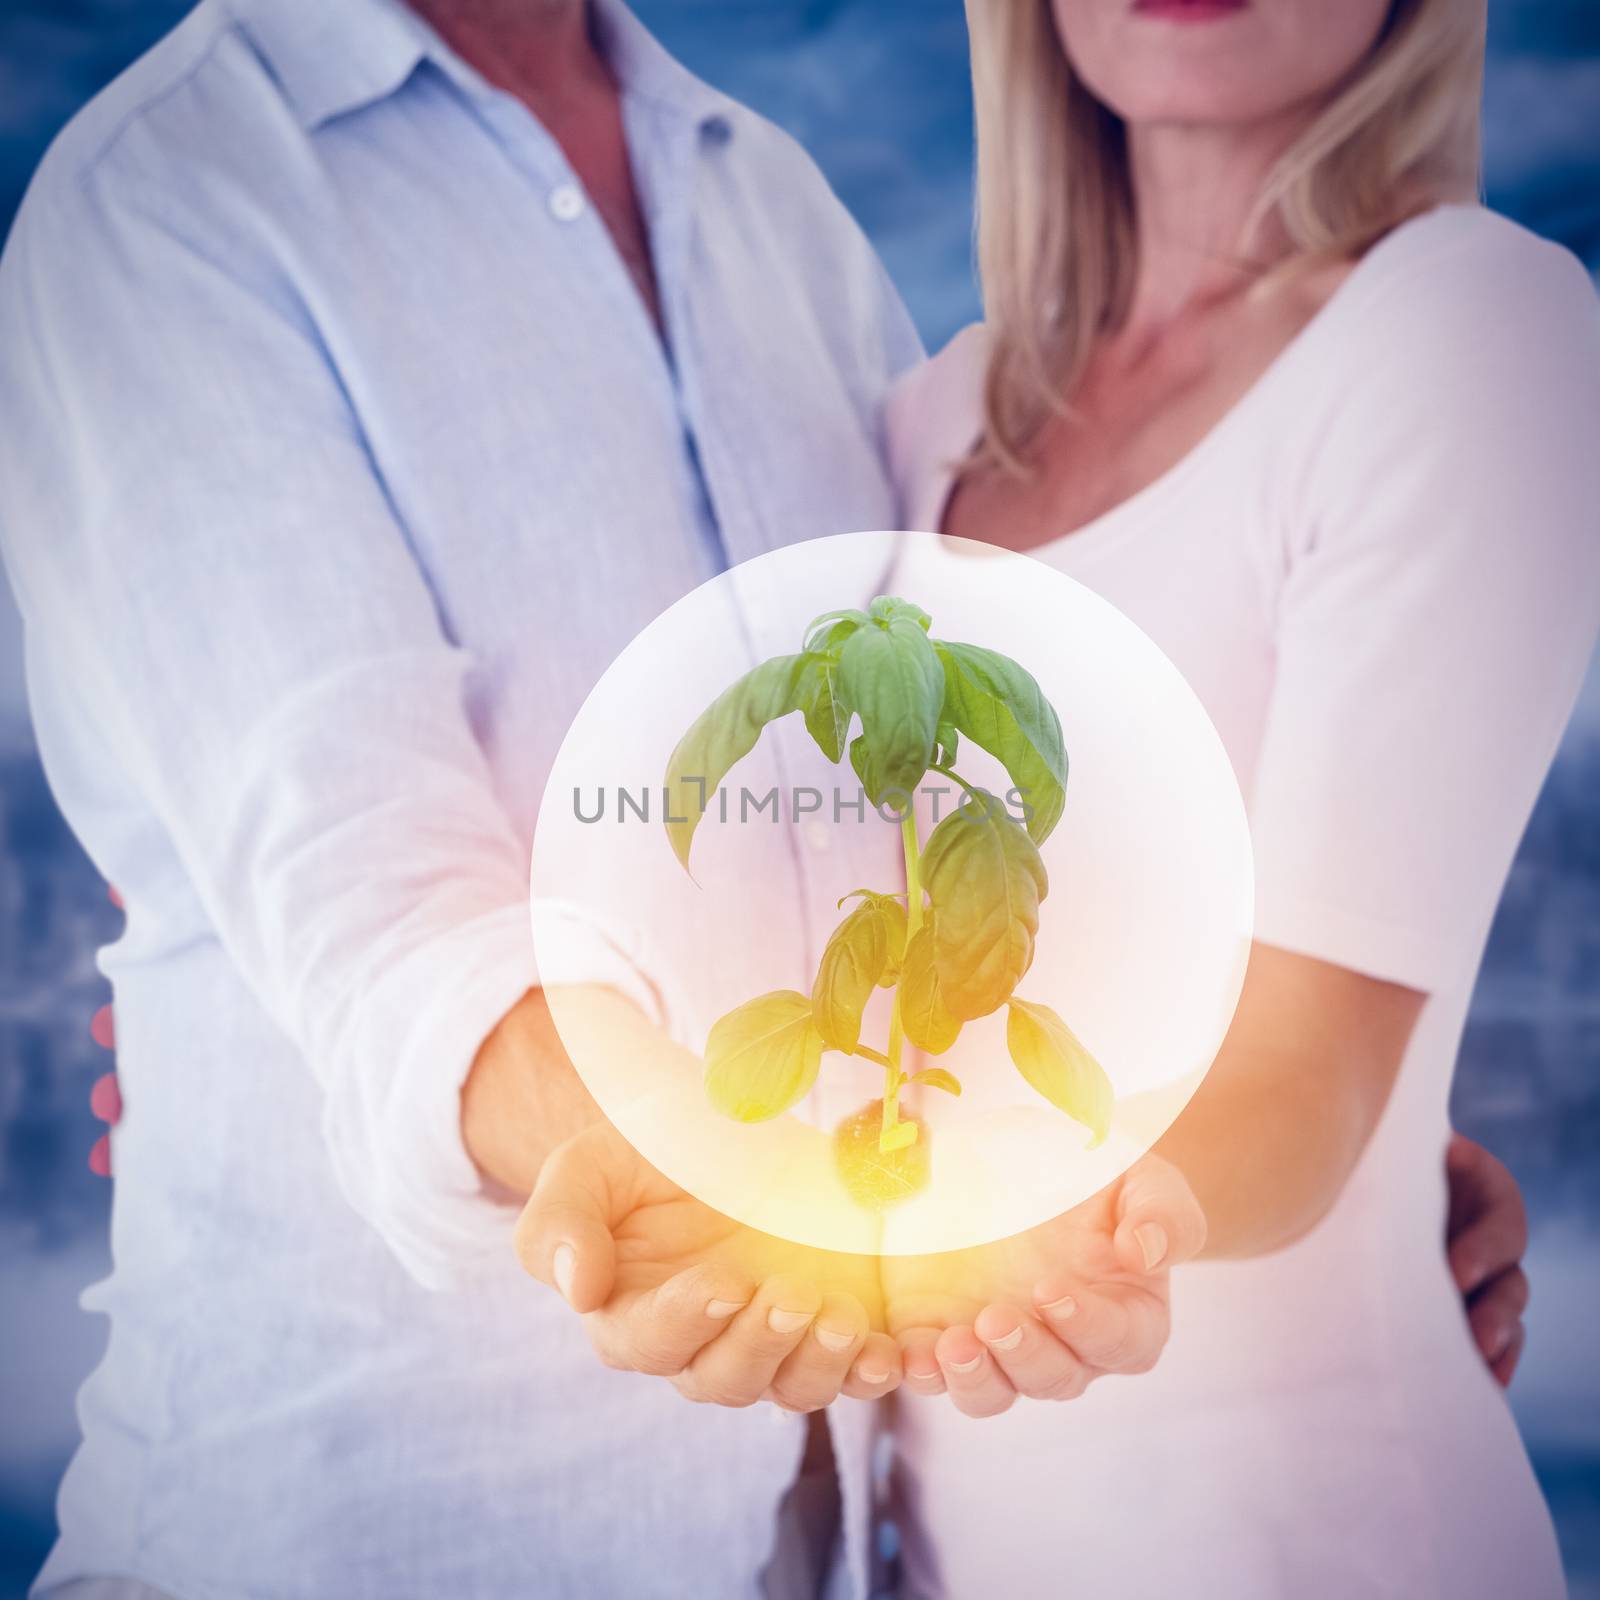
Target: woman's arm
{"points": [[1438, 608], [1277, 1126]]}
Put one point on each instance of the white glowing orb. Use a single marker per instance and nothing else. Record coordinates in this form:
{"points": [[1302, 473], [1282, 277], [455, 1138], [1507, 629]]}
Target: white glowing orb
{"points": [[1143, 936]]}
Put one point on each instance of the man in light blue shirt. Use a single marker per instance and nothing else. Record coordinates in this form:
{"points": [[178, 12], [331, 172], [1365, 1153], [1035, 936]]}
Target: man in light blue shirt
{"points": [[347, 430]]}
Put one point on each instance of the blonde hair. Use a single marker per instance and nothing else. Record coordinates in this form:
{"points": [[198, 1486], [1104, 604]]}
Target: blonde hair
{"points": [[1056, 240]]}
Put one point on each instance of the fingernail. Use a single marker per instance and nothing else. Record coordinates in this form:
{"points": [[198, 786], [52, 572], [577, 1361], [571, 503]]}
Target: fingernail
{"points": [[1499, 1343], [781, 1321], [1152, 1239], [1007, 1341], [833, 1339], [563, 1267], [871, 1377], [722, 1309], [1060, 1309], [965, 1366]]}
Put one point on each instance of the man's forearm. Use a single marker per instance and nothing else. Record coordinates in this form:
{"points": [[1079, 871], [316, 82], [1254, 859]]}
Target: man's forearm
{"points": [[523, 1097]]}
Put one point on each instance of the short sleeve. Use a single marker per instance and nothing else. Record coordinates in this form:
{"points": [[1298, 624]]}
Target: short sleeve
{"points": [[1439, 611], [933, 417]]}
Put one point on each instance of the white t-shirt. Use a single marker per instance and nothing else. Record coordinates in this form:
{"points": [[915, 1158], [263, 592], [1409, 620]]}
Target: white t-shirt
{"points": [[1380, 572]]}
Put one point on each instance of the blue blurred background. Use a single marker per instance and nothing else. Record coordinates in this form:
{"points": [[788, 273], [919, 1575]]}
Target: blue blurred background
{"points": [[877, 89]]}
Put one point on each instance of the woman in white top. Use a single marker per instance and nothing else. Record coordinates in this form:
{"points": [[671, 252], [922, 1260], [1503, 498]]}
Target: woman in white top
{"points": [[1258, 369]]}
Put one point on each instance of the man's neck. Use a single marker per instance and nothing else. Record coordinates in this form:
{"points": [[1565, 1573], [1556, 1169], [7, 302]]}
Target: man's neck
{"points": [[542, 51]]}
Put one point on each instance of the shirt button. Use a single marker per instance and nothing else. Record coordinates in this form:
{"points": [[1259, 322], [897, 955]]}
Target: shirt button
{"points": [[566, 202]]}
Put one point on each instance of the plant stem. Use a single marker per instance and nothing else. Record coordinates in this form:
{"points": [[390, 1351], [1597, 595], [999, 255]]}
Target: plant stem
{"points": [[892, 1075], [951, 773], [908, 839]]}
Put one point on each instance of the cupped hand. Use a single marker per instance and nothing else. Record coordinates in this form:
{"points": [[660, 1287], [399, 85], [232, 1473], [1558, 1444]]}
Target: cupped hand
{"points": [[669, 1286], [1044, 1313]]}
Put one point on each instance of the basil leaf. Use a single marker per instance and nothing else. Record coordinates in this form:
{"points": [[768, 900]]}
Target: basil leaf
{"points": [[827, 716], [985, 879], [923, 1013], [894, 927], [1000, 707], [851, 966], [945, 737], [832, 628], [891, 676], [859, 759], [725, 733], [894, 931], [938, 1078], [763, 1056], [888, 606], [1053, 1060]]}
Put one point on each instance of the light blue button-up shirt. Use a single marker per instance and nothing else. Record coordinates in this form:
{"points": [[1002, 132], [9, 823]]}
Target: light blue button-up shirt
{"points": [[338, 456]]}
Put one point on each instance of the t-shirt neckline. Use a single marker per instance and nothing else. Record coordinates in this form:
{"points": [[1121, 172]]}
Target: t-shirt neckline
{"points": [[1127, 513]]}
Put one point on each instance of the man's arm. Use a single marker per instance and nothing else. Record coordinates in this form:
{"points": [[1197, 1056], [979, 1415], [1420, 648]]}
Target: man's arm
{"points": [[221, 601], [523, 1098]]}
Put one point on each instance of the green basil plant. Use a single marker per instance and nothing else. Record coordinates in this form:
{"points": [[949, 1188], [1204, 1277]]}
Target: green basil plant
{"points": [[956, 941]]}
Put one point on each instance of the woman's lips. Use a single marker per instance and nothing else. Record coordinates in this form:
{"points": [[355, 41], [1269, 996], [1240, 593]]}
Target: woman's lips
{"points": [[1189, 10]]}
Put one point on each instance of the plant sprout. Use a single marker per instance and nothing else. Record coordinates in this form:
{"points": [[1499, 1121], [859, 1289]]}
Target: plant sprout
{"points": [[953, 943]]}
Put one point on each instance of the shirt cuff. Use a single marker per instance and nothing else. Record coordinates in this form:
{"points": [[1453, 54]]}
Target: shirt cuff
{"points": [[393, 1113]]}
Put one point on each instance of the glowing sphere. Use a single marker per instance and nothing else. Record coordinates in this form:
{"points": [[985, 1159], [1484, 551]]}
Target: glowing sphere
{"points": [[1142, 936]]}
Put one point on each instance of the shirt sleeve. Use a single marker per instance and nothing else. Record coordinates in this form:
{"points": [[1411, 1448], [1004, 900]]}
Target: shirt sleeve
{"points": [[1437, 617], [202, 547], [933, 418]]}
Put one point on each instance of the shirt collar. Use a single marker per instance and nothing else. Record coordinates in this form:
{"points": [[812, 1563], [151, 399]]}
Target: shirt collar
{"points": [[646, 71], [335, 56]]}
